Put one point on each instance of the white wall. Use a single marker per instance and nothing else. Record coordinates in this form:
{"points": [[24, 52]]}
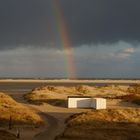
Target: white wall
{"points": [[79, 102], [97, 103]]}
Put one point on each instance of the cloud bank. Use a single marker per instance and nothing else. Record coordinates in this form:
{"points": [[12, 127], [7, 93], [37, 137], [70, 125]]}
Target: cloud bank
{"points": [[33, 22], [98, 61]]}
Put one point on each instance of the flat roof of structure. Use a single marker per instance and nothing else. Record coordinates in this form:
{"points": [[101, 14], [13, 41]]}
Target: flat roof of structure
{"points": [[80, 97]]}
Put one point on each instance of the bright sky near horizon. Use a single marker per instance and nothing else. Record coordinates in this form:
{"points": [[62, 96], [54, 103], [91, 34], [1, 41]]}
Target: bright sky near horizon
{"points": [[72, 39]]}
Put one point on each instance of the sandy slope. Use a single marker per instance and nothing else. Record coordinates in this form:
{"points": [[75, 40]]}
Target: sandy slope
{"points": [[116, 124], [22, 117]]}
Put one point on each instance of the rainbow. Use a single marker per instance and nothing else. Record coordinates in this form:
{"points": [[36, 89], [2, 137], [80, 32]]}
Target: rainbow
{"points": [[64, 39]]}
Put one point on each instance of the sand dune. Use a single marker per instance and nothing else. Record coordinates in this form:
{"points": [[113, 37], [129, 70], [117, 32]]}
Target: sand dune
{"points": [[14, 115], [18, 113], [116, 124], [58, 94]]}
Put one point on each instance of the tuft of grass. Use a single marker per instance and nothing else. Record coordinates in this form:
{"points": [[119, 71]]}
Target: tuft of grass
{"points": [[133, 96], [135, 89], [82, 89]]}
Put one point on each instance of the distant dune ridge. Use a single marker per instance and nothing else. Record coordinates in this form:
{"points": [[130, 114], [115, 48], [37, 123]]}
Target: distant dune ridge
{"points": [[47, 93]]}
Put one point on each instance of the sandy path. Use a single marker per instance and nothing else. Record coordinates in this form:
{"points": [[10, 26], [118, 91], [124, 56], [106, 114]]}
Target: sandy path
{"points": [[51, 131], [55, 125], [42, 134], [53, 115]]}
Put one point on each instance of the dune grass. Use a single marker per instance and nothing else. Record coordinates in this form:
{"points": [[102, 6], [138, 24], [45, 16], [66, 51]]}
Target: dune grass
{"points": [[133, 96], [47, 93], [116, 124], [18, 113]]}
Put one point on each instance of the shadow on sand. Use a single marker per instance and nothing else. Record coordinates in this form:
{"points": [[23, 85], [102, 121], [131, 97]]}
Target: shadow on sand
{"points": [[54, 102]]}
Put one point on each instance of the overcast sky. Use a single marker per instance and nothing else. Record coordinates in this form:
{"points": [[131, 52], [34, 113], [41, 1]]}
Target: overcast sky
{"points": [[104, 35]]}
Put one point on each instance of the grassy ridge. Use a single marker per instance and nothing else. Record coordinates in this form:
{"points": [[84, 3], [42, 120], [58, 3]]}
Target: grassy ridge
{"points": [[116, 124], [19, 113], [56, 95]]}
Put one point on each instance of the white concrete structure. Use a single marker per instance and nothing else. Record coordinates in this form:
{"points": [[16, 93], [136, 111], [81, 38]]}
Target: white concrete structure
{"points": [[98, 103], [79, 102], [86, 102]]}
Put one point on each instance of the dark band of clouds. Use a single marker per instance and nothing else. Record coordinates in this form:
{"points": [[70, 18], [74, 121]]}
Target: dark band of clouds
{"points": [[31, 22]]}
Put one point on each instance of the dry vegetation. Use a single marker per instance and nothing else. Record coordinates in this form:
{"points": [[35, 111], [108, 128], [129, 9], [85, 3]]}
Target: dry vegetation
{"points": [[57, 95], [133, 96], [19, 113], [118, 124]]}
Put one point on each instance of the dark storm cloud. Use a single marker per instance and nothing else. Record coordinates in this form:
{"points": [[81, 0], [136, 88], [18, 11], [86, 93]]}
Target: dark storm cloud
{"points": [[32, 22]]}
